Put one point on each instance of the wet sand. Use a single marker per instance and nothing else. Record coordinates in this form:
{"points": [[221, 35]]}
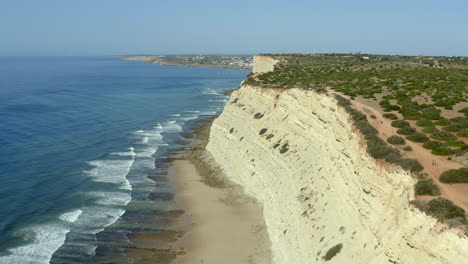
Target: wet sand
{"points": [[225, 225]]}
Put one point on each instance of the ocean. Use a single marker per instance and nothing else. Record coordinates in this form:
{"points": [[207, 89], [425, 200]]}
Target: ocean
{"points": [[79, 142]]}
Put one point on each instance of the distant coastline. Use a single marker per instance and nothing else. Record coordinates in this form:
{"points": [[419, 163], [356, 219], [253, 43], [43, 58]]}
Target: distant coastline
{"points": [[209, 61]]}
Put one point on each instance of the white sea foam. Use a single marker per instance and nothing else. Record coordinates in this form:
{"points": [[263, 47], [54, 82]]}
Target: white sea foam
{"points": [[175, 115], [112, 171], [71, 216], [130, 153], [46, 239], [171, 127], [187, 118], [208, 113], [210, 91], [111, 198], [96, 218], [147, 152]]}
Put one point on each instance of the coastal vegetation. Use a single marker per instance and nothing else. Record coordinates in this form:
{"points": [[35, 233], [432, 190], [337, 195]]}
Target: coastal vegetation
{"points": [[396, 140], [426, 187], [455, 176], [444, 209], [376, 147]]}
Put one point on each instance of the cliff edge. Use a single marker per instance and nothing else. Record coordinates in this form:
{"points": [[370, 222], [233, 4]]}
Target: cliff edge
{"points": [[324, 198]]}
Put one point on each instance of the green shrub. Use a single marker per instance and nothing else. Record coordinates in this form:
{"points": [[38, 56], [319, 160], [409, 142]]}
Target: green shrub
{"points": [[396, 140], [453, 127], [454, 143], [432, 144], [263, 131], [406, 131], [411, 165], [333, 251], [425, 123], [378, 149], [390, 116], [442, 122], [455, 176], [443, 209], [426, 187], [443, 135], [418, 137], [430, 130], [365, 127], [393, 158], [442, 151], [463, 134], [408, 148], [400, 123], [431, 113]]}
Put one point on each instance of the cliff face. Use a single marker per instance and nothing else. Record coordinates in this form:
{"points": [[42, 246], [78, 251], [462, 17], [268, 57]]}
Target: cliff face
{"points": [[297, 153]]}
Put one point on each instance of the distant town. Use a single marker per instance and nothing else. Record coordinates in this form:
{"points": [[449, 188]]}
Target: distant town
{"points": [[217, 61]]}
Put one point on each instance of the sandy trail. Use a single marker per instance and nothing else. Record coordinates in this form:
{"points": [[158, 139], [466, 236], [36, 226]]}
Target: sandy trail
{"points": [[224, 225]]}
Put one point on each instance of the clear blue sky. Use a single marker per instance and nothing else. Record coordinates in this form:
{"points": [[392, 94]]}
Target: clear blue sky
{"points": [[109, 27]]}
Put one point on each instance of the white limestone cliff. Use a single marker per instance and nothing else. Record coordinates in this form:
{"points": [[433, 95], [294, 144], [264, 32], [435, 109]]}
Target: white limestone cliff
{"points": [[298, 154]]}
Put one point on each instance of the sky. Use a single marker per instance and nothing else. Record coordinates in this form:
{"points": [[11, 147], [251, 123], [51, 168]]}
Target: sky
{"points": [[117, 27]]}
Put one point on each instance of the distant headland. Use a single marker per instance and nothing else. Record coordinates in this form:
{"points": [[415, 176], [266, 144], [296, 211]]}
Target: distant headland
{"points": [[210, 61]]}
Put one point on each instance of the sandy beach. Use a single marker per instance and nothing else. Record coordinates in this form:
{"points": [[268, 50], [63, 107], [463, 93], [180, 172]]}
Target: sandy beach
{"points": [[222, 223], [225, 225]]}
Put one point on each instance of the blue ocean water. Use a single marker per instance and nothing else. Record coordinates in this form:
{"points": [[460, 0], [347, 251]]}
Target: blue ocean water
{"points": [[78, 138]]}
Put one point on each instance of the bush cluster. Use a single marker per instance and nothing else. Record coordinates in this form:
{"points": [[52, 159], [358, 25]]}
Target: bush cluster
{"points": [[396, 140], [406, 130], [418, 137], [463, 133], [425, 123], [430, 130], [432, 144], [400, 123], [455, 176], [442, 151], [426, 187], [443, 135], [411, 165], [444, 209], [390, 116], [408, 148], [376, 147]]}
